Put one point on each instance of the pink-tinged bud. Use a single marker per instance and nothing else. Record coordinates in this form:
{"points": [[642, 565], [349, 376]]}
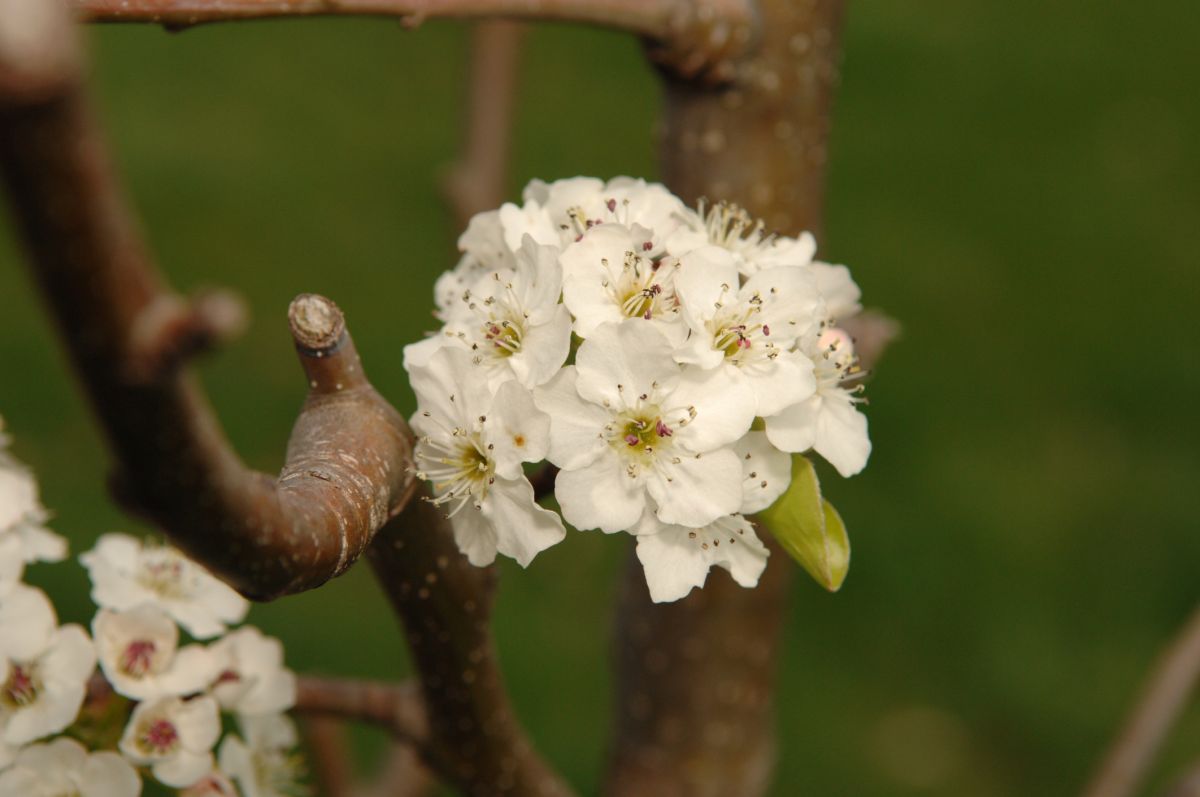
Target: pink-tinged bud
{"points": [[662, 429]]}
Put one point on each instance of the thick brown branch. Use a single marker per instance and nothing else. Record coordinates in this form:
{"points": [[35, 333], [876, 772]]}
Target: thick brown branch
{"points": [[695, 678], [329, 756], [477, 182], [693, 34], [475, 740], [127, 333], [1163, 697]]}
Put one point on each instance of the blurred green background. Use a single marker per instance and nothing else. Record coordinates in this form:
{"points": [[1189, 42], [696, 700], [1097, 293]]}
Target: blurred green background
{"points": [[1018, 183]]}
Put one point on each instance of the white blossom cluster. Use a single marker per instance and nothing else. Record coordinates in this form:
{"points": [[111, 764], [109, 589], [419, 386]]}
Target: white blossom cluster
{"points": [[176, 693], [667, 360]]}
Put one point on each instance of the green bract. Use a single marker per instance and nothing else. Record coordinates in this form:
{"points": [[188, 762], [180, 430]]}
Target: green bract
{"points": [[809, 528]]}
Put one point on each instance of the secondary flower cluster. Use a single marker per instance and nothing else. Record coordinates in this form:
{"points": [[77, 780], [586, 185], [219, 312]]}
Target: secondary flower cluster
{"points": [[667, 360], [171, 697]]}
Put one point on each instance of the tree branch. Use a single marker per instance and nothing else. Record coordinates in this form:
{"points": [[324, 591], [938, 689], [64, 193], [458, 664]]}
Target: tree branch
{"points": [[445, 602], [329, 756], [127, 334], [1163, 697], [477, 182], [396, 708], [693, 34], [695, 678]]}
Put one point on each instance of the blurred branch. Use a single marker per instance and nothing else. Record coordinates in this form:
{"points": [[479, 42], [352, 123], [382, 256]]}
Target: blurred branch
{"points": [[402, 775], [695, 35], [1163, 697], [477, 182], [128, 335], [695, 678], [475, 741], [329, 756], [396, 708], [1188, 785]]}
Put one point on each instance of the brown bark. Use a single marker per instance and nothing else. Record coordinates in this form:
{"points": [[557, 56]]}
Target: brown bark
{"points": [[695, 678], [127, 332], [445, 602]]}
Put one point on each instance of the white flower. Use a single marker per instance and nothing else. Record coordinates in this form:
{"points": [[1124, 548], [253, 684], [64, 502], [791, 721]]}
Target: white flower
{"points": [[608, 276], [43, 668], [12, 563], [510, 320], [139, 654], [561, 212], [174, 738], [251, 678], [752, 329], [126, 573], [631, 429], [730, 227], [828, 422], [471, 445], [22, 515], [677, 558], [63, 767], [263, 765]]}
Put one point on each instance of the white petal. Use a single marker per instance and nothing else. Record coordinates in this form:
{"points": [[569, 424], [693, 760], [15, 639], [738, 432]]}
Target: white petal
{"points": [[790, 300], [620, 362], [698, 489], [18, 495], [677, 558], [706, 276], [544, 349], [780, 382], [838, 289], [516, 430], [724, 407], [795, 428], [108, 775], [575, 425], [183, 769], [39, 544], [198, 723], [600, 495], [27, 622], [766, 471], [474, 535], [523, 529], [841, 435]]}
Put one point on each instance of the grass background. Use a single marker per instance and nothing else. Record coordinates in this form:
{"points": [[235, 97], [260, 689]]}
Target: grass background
{"points": [[1018, 182]]}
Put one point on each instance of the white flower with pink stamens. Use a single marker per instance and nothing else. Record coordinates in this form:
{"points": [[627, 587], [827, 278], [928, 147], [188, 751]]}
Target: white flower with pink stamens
{"points": [[752, 328], [140, 655], [564, 211], [730, 227], [44, 668], [471, 445], [510, 320], [174, 738], [828, 422], [610, 275], [675, 559], [126, 573], [632, 430]]}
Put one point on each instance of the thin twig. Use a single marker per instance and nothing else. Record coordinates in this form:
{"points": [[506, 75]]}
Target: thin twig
{"points": [[329, 756], [1163, 697], [477, 182], [128, 335], [396, 708]]}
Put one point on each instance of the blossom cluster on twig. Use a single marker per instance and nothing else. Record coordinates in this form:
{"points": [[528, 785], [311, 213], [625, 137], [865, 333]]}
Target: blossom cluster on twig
{"points": [[667, 360], [61, 734]]}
